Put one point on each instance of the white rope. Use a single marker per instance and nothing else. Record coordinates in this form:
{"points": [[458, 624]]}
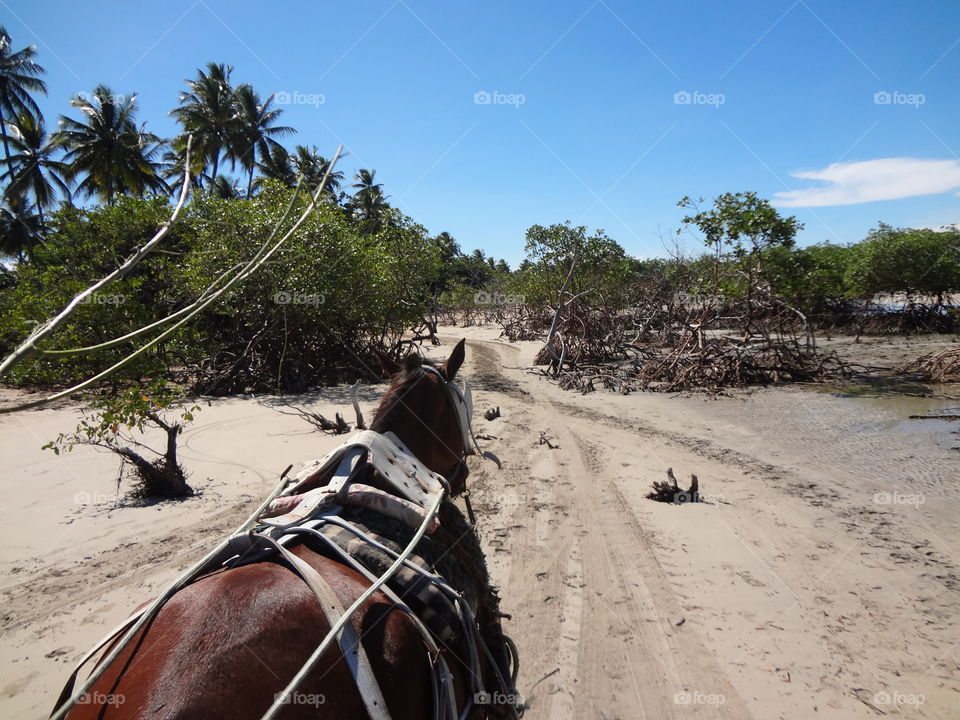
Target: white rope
{"points": [[251, 267], [48, 327], [282, 698], [151, 611]]}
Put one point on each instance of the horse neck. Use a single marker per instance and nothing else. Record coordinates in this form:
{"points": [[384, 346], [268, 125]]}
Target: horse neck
{"points": [[411, 429]]}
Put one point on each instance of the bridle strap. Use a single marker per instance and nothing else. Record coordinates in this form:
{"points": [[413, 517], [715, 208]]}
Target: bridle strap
{"points": [[462, 403]]}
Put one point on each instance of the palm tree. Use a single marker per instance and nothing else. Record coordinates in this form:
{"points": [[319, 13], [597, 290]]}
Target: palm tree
{"points": [[449, 247], [32, 170], [172, 167], [277, 165], [313, 166], [20, 230], [368, 203], [253, 130], [19, 76], [112, 154], [208, 112], [224, 188], [365, 182]]}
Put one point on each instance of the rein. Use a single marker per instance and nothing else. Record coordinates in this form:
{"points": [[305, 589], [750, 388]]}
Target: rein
{"points": [[227, 551]]}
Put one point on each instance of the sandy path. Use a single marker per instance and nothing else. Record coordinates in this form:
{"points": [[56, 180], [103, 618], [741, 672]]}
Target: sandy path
{"points": [[793, 593]]}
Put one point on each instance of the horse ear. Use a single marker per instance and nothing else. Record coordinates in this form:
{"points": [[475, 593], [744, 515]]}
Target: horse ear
{"points": [[412, 361], [454, 362], [390, 366]]}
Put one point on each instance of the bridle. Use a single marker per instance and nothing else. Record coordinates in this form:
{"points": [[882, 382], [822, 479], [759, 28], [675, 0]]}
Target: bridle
{"points": [[461, 402]]}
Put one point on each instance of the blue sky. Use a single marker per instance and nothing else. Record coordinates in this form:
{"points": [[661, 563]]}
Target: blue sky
{"points": [[484, 118]]}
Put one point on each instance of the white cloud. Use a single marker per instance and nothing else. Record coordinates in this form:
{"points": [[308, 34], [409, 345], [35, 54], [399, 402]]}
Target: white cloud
{"points": [[851, 183]]}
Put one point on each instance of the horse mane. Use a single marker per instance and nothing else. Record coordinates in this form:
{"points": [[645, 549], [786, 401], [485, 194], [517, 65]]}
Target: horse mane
{"points": [[412, 371]]}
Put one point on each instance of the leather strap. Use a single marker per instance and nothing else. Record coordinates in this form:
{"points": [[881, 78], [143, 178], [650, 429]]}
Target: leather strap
{"points": [[353, 652]]}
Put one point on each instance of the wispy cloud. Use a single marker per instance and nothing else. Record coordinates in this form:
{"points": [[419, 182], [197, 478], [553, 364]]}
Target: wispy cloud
{"points": [[852, 183]]}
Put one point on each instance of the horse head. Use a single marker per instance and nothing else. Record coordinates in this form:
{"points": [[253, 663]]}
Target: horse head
{"points": [[420, 409]]}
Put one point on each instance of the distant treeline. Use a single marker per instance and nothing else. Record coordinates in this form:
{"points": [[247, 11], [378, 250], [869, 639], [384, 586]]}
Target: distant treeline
{"points": [[910, 275], [358, 274]]}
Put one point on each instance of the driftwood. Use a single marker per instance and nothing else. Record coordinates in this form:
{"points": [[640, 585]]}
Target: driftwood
{"points": [[338, 426], [556, 347], [670, 492], [684, 346], [492, 414], [545, 441], [943, 366], [361, 425]]}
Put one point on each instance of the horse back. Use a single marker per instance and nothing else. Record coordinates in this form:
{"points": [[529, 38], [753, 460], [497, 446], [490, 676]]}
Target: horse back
{"points": [[228, 644]]}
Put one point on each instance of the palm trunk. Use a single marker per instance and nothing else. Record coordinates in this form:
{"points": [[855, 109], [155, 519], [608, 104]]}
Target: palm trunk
{"points": [[6, 145]]}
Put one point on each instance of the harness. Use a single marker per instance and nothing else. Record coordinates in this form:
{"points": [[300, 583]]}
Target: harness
{"points": [[442, 613]]}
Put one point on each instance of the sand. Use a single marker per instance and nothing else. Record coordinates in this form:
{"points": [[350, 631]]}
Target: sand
{"points": [[819, 579]]}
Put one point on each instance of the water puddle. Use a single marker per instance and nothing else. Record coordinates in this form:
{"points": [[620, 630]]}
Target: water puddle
{"points": [[906, 407]]}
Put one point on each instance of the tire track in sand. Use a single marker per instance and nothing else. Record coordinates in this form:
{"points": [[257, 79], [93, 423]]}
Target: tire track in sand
{"points": [[591, 606]]}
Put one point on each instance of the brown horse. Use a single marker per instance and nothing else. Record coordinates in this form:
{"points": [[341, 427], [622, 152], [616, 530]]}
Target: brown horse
{"points": [[228, 644]]}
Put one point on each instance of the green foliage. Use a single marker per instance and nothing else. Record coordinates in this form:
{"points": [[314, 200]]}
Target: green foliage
{"points": [[602, 269], [114, 417], [107, 149], [742, 222], [911, 261], [331, 294], [813, 278], [82, 247], [118, 422]]}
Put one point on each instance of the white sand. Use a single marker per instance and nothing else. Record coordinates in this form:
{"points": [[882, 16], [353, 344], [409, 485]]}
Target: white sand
{"points": [[793, 594]]}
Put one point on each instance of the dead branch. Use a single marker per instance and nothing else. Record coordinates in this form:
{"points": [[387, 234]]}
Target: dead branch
{"points": [[338, 426], [943, 366], [670, 492]]}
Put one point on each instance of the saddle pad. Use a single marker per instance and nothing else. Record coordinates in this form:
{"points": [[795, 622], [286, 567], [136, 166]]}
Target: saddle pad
{"points": [[410, 478], [434, 607]]}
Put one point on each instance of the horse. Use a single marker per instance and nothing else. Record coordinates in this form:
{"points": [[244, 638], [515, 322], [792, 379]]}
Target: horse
{"points": [[228, 641]]}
